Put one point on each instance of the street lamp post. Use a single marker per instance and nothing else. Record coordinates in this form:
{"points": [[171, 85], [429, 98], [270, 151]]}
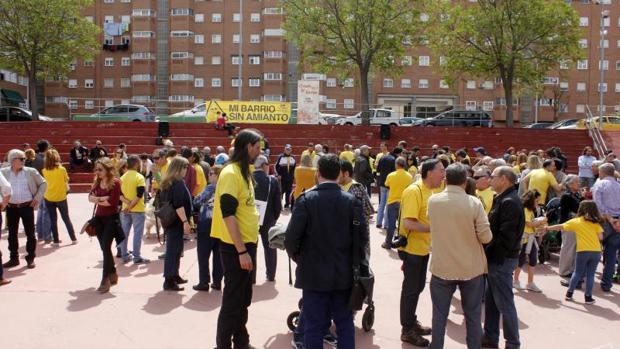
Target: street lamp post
{"points": [[604, 15], [240, 78]]}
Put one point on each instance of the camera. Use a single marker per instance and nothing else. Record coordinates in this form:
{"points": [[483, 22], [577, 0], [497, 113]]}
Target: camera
{"points": [[399, 241]]}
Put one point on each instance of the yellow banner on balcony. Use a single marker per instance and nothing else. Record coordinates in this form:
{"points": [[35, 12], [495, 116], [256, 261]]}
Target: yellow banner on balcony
{"points": [[250, 112]]}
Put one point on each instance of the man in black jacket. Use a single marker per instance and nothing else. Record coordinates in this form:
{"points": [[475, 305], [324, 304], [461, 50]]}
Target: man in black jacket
{"points": [[285, 168], [507, 222], [267, 191], [319, 238], [362, 172]]}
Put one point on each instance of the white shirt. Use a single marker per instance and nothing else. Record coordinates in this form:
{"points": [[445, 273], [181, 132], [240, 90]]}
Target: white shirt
{"points": [[5, 187], [19, 184]]}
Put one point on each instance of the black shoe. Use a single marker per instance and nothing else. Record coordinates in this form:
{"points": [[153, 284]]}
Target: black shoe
{"points": [[201, 287], [216, 287], [590, 300], [162, 256], [179, 280], [30, 265], [487, 343], [421, 330], [11, 263], [569, 296], [379, 226], [170, 285], [415, 339], [564, 282], [386, 246]]}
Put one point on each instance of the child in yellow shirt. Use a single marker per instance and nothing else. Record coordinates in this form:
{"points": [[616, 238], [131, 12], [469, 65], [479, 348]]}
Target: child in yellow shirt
{"points": [[588, 233], [529, 247]]}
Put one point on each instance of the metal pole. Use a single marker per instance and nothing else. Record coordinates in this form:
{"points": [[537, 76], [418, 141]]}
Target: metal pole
{"points": [[604, 14], [536, 109], [240, 78]]}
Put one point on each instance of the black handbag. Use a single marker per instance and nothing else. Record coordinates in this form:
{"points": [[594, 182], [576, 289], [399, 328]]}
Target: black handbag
{"points": [[90, 226], [164, 211], [363, 278]]}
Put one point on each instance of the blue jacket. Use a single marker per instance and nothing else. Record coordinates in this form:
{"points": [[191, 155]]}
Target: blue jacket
{"points": [[319, 238]]}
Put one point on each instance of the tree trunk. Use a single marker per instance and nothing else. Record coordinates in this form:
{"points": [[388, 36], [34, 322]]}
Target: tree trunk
{"points": [[365, 95], [508, 96], [32, 95]]}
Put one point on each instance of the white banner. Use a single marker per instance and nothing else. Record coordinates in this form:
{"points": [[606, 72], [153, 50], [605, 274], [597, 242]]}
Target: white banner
{"points": [[308, 102]]}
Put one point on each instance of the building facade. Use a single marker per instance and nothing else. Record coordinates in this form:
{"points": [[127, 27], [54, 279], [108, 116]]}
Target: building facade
{"points": [[173, 54]]}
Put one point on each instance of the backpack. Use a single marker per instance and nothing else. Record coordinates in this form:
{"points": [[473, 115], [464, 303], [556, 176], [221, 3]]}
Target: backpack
{"points": [[553, 210]]}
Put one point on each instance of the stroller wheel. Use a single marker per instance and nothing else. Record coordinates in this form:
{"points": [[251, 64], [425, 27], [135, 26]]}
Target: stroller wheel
{"points": [[369, 318], [293, 320]]}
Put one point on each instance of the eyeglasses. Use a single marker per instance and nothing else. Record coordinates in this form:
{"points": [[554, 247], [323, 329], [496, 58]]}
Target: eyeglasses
{"points": [[20, 159]]}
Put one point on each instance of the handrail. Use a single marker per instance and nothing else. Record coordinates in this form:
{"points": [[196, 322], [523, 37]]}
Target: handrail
{"points": [[595, 133]]}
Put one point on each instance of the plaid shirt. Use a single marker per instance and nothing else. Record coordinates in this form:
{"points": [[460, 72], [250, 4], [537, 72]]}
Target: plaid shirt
{"points": [[359, 191]]}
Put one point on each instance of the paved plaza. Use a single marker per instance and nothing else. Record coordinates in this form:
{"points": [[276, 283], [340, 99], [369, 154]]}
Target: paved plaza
{"points": [[56, 305]]}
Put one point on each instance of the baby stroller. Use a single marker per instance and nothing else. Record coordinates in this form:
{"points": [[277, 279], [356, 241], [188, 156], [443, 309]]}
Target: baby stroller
{"points": [[551, 241]]}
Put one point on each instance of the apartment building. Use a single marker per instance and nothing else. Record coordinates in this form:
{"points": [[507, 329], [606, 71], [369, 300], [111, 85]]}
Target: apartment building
{"points": [[13, 89], [173, 54]]}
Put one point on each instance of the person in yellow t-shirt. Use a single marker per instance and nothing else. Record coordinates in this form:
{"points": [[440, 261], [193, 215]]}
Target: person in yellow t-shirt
{"points": [[588, 233], [56, 194], [305, 176], [414, 226], [310, 152], [529, 246], [484, 192], [347, 154], [396, 182], [132, 215], [542, 179], [160, 167], [235, 224]]}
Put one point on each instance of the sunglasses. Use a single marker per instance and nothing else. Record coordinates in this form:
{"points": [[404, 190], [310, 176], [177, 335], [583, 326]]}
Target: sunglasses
{"points": [[157, 158], [21, 159], [478, 177]]}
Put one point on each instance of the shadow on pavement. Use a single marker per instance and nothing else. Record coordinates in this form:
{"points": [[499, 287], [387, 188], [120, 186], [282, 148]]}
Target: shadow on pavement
{"points": [[86, 299], [204, 301], [163, 302]]}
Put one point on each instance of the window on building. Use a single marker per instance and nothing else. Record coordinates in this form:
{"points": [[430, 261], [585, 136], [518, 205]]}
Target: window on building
{"points": [[405, 83], [424, 61], [330, 82], [72, 83], [199, 60], [581, 86], [235, 82], [108, 62], [125, 82], [602, 87], [89, 83], [580, 108], [470, 105], [254, 60], [199, 82], [349, 103], [199, 17], [216, 82], [604, 64], [73, 104], [199, 39], [88, 104], [254, 38], [471, 84], [272, 76], [236, 60], [255, 17], [108, 83], [388, 83], [443, 84], [487, 105], [125, 61], [583, 43], [181, 12], [254, 82], [423, 83], [236, 17], [583, 21], [330, 104], [236, 38], [216, 17], [216, 60]]}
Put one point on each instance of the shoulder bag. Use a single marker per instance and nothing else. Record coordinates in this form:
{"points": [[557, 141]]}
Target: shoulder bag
{"points": [[164, 211], [89, 226]]}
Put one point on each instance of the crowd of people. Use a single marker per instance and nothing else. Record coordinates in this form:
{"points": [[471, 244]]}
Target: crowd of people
{"points": [[484, 218]]}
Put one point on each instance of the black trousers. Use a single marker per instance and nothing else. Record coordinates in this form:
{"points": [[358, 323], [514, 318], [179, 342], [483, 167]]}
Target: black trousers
{"points": [[287, 189], [271, 255], [106, 230], [237, 297], [414, 272], [26, 214]]}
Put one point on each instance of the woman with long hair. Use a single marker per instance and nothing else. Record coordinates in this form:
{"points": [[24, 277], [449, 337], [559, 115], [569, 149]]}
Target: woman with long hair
{"points": [[235, 224], [56, 194], [586, 177], [529, 246], [174, 191], [105, 194]]}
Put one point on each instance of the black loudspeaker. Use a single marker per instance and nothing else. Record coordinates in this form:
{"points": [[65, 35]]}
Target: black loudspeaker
{"points": [[163, 129], [385, 131]]}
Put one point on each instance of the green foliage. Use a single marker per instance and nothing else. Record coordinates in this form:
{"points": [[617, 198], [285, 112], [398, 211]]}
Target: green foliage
{"points": [[45, 35], [348, 37], [519, 41]]}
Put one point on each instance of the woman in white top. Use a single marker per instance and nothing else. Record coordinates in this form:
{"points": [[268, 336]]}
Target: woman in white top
{"points": [[586, 177]]}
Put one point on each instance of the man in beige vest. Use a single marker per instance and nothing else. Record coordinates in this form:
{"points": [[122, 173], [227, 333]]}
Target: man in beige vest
{"points": [[459, 227]]}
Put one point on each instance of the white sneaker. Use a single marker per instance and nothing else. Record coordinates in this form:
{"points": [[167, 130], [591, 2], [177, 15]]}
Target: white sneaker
{"points": [[517, 285], [532, 287]]}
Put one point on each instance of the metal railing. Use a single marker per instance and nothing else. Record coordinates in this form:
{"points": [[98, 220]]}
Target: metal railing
{"points": [[594, 132]]}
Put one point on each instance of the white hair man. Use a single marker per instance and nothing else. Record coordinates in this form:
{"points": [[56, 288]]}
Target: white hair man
{"points": [[28, 188]]}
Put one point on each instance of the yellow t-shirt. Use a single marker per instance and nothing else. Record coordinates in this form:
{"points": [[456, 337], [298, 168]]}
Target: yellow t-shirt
{"points": [[304, 179], [586, 234], [348, 155], [231, 182], [201, 180], [516, 169], [130, 182], [57, 180], [529, 218], [397, 181], [413, 170], [486, 196], [414, 204], [541, 180], [312, 154]]}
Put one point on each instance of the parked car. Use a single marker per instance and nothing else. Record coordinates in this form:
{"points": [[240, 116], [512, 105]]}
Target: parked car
{"points": [[468, 118], [377, 117], [539, 125], [125, 112], [19, 114], [197, 111], [329, 119], [565, 124], [408, 120], [610, 122]]}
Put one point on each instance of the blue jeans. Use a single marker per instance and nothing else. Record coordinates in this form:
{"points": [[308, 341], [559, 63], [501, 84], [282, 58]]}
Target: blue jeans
{"points": [[135, 219], [381, 216], [64, 214], [319, 308], [44, 225], [471, 301], [208, 247], [500, 301], [612, 245], [392, 216], [585, 265]]}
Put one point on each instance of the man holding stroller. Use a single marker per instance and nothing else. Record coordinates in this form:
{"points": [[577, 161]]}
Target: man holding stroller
{"points": [[319, 238]]}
